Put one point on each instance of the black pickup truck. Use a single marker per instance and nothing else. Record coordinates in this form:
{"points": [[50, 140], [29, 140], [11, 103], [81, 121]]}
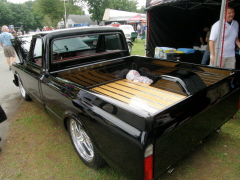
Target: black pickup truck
{"points": [[79, 75]]}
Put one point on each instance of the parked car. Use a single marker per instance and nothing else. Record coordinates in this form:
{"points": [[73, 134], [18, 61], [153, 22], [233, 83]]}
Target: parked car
{"points": [[130, 44], [129, 32]]}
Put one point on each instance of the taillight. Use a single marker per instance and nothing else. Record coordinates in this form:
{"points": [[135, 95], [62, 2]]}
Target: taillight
{"points": [[148, 163]]}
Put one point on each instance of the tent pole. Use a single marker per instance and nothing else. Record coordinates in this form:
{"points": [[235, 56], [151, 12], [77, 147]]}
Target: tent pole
{"points": [[221, 32], [146, 35]]}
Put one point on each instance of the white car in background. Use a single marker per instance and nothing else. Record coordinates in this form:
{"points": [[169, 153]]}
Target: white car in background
{"points": [[129, 32]]}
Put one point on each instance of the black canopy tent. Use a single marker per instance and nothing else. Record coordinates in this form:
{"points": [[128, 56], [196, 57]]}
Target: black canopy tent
{"points": [[175, 23]]}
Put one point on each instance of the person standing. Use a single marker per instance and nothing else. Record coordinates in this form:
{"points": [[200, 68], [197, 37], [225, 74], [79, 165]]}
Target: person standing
{"points": [[231, 37], [14, 33], [139, 30], [38, 30], [201, 38], [19, 32], [8, 49], [206, 55], [144, 29]]}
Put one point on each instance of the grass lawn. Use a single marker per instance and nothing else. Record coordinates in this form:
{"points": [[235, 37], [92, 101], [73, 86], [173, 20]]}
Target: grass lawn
{"points": [[38, 147], [138, 47]]}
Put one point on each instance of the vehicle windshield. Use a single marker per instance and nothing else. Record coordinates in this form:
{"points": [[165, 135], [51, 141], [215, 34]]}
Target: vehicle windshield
{"points": [[127, 27]]}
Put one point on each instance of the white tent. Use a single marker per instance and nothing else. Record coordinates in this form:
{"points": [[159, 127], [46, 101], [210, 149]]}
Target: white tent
{"points": [[111, 15]]}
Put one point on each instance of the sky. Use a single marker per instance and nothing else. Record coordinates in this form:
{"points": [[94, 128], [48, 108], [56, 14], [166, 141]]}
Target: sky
{"points": [[141, 2]]}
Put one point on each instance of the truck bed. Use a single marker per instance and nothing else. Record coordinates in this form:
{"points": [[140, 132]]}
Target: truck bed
{"points": [[209, 77], [139, 95], [163, 93]]}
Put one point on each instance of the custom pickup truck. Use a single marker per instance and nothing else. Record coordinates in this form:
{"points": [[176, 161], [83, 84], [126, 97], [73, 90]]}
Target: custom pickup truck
{"points": [[79, 75]]}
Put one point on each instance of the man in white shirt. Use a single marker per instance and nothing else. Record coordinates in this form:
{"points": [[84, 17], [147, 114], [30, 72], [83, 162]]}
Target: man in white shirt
{"points": [[231, 37]]}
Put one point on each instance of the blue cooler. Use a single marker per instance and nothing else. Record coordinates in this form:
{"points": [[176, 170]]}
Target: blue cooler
{"points": [[186, 50], [161, 52]]}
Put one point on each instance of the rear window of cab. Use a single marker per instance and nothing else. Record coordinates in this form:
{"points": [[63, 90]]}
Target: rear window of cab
{"points": [[71, 48]]}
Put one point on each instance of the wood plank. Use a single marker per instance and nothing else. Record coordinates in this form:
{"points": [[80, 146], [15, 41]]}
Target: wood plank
{"points": [[139, 95], [142, 94], [106, 76], [165, 63], [132, 102], [152, 90], [76, 80], [154, 102], [80, 79], [207, 78], [217, 72], [169, 86], [89, 78]]}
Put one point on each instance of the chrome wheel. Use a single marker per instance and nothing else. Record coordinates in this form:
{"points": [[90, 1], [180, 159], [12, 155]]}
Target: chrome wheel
{"points": [[81, 141], [129, 47], [22, 90]]}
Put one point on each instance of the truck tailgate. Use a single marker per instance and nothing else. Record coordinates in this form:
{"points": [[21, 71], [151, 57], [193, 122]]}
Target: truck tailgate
{"points": [[180, 129]]}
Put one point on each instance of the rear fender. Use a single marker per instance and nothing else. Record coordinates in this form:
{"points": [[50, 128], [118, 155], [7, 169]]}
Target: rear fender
{"points": [[15, 80], [68, 115]]}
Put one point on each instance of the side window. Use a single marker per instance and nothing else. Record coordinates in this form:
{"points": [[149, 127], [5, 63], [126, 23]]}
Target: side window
{"points": [[37, 53], [25, 43]]}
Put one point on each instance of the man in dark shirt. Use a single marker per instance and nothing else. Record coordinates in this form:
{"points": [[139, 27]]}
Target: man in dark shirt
{"points": [[201, 38]]}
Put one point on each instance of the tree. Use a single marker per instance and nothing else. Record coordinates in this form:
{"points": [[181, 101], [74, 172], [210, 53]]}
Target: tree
{"points": [[5, 13], [48, 8], [141, 10], [124, 5], [73, 7], [21, 14], [37, 19], [16, 14], [97, 8], [54, 9]]}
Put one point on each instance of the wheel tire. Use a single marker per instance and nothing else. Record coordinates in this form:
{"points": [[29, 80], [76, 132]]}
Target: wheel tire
{"points": [[22, 90], [83, 145], [129, 47]]}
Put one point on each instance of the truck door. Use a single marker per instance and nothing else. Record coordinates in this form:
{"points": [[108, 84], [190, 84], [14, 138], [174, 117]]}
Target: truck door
{"points": [[33, 68]]}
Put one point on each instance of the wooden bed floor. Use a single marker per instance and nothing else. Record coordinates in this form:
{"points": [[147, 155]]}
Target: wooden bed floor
{"points": [[139, 95], [88, 78]]}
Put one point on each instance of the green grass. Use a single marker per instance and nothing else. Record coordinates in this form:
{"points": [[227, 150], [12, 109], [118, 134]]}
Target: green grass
{"points": [[39, 148], [138, 47], [218, 158]]}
